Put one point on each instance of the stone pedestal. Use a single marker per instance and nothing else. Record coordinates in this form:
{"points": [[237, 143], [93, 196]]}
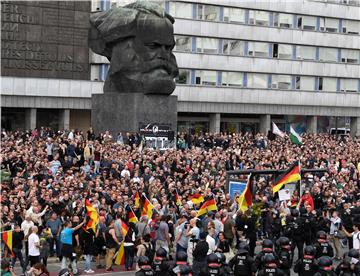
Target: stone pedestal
{"points": [[120, 112]]}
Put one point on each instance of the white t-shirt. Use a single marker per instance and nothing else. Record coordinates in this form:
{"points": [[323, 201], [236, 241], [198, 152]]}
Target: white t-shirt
{"points": [[211, 242], [356, 240], [33, 249]]}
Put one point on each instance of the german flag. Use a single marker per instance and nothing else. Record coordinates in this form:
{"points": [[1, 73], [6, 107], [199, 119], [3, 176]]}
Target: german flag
{"points": [[245, 199], [196, 198], [120, 255], [147, 209], [7, 239], [290, 176], [124, 228], [137, 200], [209, 205], [132, 217], [178, 201], [93, 215]]}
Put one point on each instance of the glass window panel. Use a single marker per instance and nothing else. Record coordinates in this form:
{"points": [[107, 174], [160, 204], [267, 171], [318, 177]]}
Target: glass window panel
{"points": [[95, 72], [236, 48], [306, 22], [285, 20], [208, 12], [350, 85], [307, 83], [210, 45], [257, 81], [234, 15], [284, 51], [328, 54], [305, 52], [183, 43], [205, 77], [232, 79], [351, 26], [349, 56], [183, 77], [329, 84], [181, 10], [329, 25], [281, 82], [258, 49], [260, 18]]}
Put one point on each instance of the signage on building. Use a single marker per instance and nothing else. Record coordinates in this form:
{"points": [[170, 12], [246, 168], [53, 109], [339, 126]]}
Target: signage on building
{"points": [[45, 39], [155, 130]]}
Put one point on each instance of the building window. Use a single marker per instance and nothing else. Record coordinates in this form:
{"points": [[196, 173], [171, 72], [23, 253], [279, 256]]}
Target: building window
{"points": [[305, 52], [327, 84], [181, 10], [329, 25], [349, 85], [281, 82], [282, 51], [233, 47], [305, 83], [257, 80], [183, 43], [232, 79], [208, 12], [258, 49], [207, 45], [283, 20], [306, 22], [183, 77], [328, 54], [349, 56], [205, 77], [234, 15], [351, 27], [260, 18]]}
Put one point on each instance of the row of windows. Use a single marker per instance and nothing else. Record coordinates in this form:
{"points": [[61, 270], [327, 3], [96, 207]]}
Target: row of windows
{"points": [[265, 81], [342, 2], [250, 80], [262, 18], [264, 49]]}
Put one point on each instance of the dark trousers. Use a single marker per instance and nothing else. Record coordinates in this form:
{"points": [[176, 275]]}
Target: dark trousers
{"points": [[299, 244], [54, 240], [350, 242], [34, 260], [129, 256], [179, 248], [197, 267], [18, 255]]}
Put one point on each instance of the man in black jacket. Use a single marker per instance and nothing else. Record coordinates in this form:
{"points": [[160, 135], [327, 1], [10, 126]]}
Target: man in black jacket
{"points": [[200, 253], [17, 239]]}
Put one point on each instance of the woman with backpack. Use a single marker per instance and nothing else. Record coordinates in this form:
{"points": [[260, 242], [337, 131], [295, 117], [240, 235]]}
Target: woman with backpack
{"points": [[145, 248]]}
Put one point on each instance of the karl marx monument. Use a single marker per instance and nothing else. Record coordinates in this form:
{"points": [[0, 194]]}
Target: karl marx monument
{"points": [[138, 40]]}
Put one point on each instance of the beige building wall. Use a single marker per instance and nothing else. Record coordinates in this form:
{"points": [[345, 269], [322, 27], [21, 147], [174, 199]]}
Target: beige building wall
{"points": [[80, 119]]}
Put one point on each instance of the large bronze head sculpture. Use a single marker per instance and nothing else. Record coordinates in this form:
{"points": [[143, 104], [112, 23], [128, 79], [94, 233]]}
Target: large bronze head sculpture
{"points": [[138, 40]]}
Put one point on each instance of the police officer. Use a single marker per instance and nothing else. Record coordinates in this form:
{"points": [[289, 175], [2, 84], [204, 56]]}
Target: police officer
{"points": [[267, 249], [224, 267], [242, 263], [307, 266], [294, 231], [322, 246], [308, 225], [353, 254], [344, 268], [213, 266], [145, 268], [270, 267], [283, 252], [325, 267], [181, 267], [160, 264]]}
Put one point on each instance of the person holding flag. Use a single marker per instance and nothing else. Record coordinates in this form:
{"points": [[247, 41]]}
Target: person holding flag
{"points": [[112, 244]]}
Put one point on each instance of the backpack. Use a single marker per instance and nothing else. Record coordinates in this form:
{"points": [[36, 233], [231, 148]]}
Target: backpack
{"points": [[149, 252]]}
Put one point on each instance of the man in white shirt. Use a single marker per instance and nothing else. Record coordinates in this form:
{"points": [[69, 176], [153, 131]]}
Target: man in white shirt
{"points": [[355, 235], [210, 240], [26, 226], [34, 246]]}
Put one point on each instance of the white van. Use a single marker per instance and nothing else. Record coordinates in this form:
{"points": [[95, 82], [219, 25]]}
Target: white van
{"points": [[340, 131]]}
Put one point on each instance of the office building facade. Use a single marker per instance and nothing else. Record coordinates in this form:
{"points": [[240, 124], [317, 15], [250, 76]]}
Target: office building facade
{"points": [[244, 64]]}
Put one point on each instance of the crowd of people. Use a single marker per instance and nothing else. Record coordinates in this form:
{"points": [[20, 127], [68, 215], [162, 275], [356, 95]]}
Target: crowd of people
{"points": [[47, 175]]}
